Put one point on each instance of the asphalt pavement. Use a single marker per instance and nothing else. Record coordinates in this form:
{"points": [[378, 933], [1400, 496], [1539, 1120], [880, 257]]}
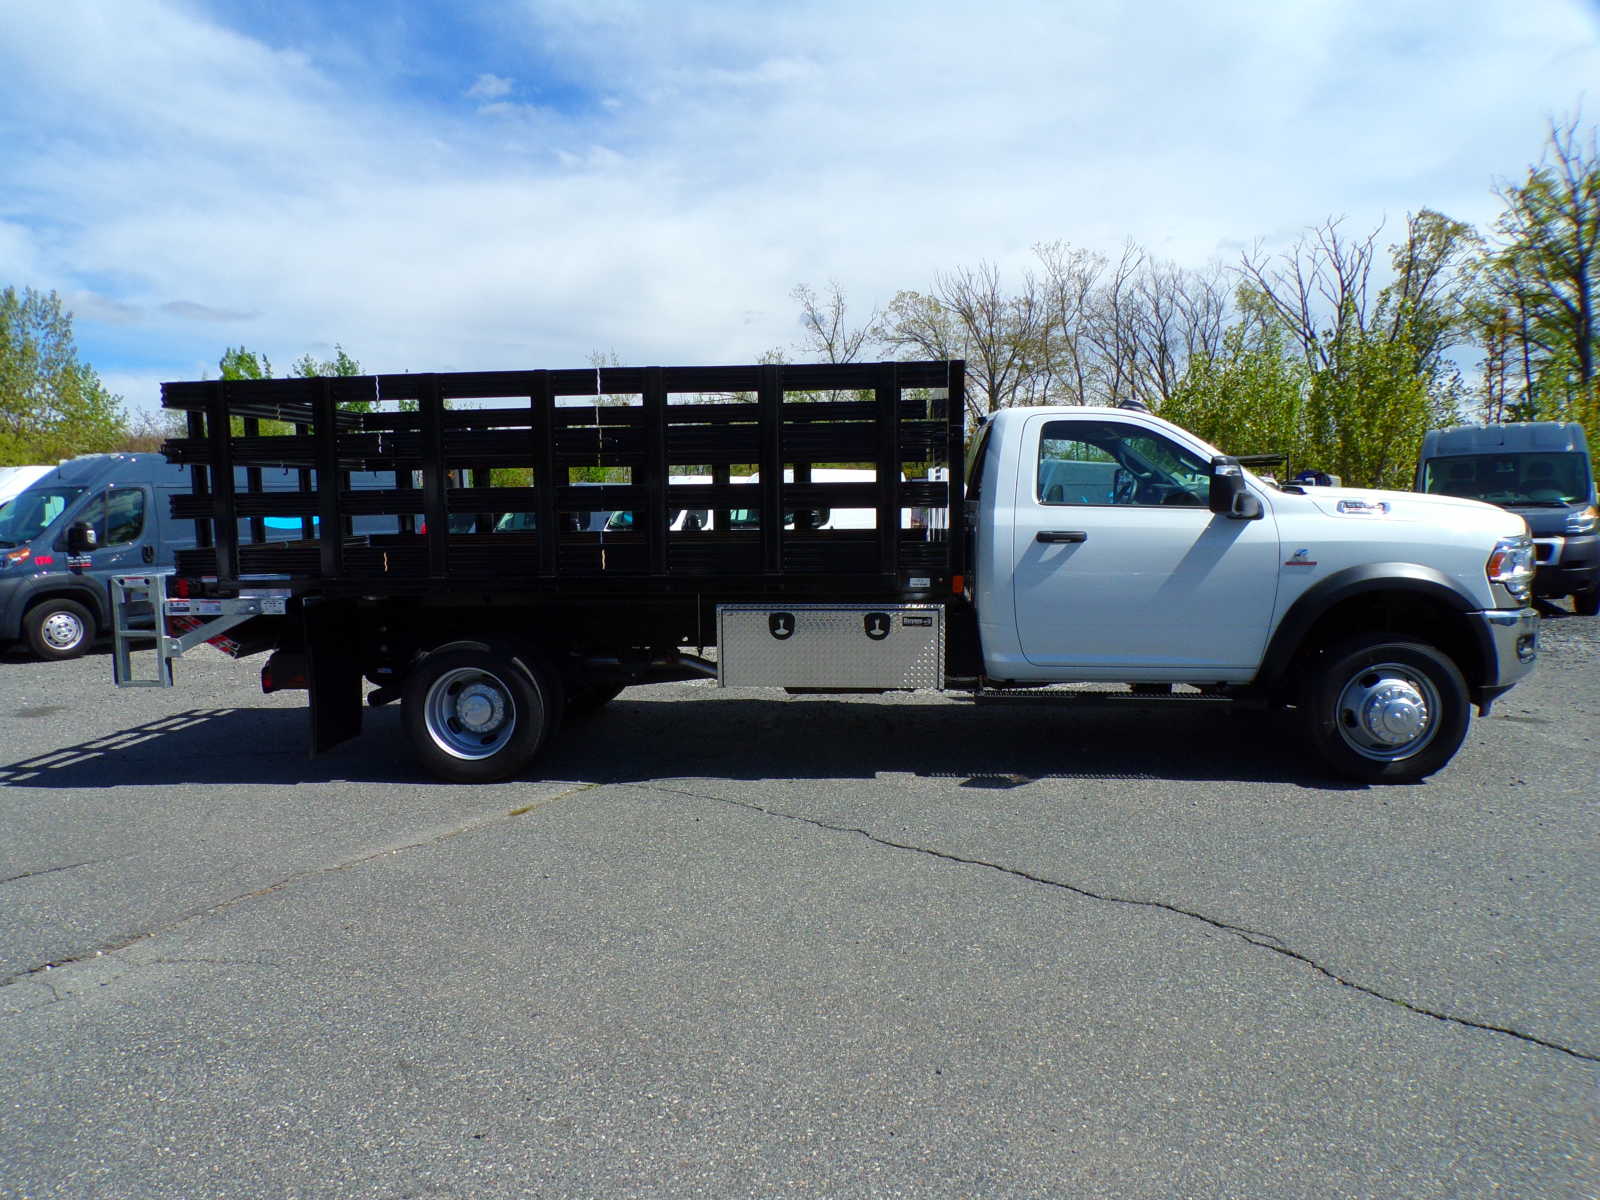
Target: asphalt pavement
{"points": [[746, 944]]}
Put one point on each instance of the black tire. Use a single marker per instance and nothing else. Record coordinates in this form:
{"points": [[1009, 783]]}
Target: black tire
{"points": [[1587, 604], [1385, 708], [479, 713], [58, 629]]}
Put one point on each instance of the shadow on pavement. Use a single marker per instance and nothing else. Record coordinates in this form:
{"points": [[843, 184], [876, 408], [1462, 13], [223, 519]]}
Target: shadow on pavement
{"points": [[992, 745]]}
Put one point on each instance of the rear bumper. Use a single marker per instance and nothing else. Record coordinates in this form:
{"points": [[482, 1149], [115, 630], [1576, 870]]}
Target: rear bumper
{"points": [[1510, 641]]}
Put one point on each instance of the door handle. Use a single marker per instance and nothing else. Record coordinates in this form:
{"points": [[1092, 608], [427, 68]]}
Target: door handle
{"points": [[1061, 535]]}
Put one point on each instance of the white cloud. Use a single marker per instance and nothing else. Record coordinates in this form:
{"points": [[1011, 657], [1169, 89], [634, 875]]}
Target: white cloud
{"points": [[489, 87], [679, 170]]}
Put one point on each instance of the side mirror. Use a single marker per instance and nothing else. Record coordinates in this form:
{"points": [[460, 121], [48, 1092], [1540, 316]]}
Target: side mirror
{"points": [[81, 538], [1229, 495]]}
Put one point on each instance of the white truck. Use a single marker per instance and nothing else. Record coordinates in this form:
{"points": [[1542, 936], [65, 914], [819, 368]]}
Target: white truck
{"points": [[1063, 546]]}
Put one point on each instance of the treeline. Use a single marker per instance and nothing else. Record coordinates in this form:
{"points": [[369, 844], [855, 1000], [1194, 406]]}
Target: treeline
{"points": [[1338, 352]]}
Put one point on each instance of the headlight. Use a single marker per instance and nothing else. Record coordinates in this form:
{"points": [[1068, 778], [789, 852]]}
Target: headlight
{"points": [[1582, 522], [1511, 565]]}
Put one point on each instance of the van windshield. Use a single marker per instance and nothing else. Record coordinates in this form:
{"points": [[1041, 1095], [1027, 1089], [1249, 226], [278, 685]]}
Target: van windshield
{"points": [[1527, 479], [25, 516]]}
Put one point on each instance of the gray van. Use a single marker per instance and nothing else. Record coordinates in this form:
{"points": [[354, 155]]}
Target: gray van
{"points": [[1539, 470], [58, 601]]}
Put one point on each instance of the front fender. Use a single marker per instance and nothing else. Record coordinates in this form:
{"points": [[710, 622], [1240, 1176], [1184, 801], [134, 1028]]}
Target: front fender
{"points": [[1412, 580]]}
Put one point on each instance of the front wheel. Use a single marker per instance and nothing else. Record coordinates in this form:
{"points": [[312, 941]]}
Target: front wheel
{"points": [[1383, 709], [477, 714], [58, 629], [1587, 603]]}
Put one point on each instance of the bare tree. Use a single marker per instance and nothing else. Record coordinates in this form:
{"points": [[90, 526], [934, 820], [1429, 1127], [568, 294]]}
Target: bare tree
{"points": [[1003, 331], [1175, 315], [1112, 329], [1319, 289], [971, 315], [1068, 296], [827, 332]]}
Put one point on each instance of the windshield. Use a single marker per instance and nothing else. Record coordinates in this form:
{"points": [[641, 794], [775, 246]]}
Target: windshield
{"points": [[26, 516], [1529, 479]]}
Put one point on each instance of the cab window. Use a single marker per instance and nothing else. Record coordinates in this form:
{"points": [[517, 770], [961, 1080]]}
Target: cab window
{"points": [[117, 517], [1108, 463]]}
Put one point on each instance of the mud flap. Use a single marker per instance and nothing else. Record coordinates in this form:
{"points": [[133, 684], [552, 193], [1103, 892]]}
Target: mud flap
{"points": [[333, 675]]}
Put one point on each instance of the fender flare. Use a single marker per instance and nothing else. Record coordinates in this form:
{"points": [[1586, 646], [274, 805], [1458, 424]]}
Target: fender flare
{"points": [[1410, 579]]}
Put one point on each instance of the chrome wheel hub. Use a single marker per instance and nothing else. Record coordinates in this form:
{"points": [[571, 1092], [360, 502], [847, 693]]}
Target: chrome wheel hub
{"points": [[1395, 713], [479, 708], [1388, 711], [470, 713], [62, 630]]}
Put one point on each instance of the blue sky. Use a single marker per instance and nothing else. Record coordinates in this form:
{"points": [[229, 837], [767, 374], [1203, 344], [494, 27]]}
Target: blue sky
{"points": [[498, 185]]}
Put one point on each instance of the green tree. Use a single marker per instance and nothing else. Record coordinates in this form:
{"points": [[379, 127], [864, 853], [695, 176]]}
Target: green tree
{"points": [[238, 363], [1367, 410], [341, 364], [1248, 398], [1378, 372], [1539, 320], [51, 405]]}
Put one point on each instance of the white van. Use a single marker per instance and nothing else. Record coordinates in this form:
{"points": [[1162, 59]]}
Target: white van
{"points": [[830, 518], [15, 480]]}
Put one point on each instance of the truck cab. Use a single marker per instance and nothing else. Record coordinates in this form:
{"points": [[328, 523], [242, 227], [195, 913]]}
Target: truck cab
{"points": [[1112, 546]]}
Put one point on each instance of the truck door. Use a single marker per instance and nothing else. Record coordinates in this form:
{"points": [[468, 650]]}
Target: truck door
{"points": [[1121, 570]]}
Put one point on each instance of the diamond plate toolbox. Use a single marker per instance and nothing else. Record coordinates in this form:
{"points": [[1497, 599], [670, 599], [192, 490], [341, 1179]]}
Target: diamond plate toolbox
{"points": [[830, 645]]}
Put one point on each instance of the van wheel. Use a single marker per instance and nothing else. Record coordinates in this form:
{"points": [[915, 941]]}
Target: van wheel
{"points": [[477, 714], [58, 629], [1385, 709], [1587, 604]]}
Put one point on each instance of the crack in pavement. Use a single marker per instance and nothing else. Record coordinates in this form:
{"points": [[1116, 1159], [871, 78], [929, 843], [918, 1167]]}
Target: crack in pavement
{"points": [[35, 974], [90, 862], [1253, 937]]}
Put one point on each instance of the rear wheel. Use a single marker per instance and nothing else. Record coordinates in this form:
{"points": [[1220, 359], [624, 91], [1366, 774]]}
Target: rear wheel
{"points": [[477, 714], [1587, 604], [58, 629], [1385, 709]]}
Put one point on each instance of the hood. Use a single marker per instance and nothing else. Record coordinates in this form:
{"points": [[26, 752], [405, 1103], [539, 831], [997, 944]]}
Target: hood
{"points": [[1372, 504], [1547, 520]]}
